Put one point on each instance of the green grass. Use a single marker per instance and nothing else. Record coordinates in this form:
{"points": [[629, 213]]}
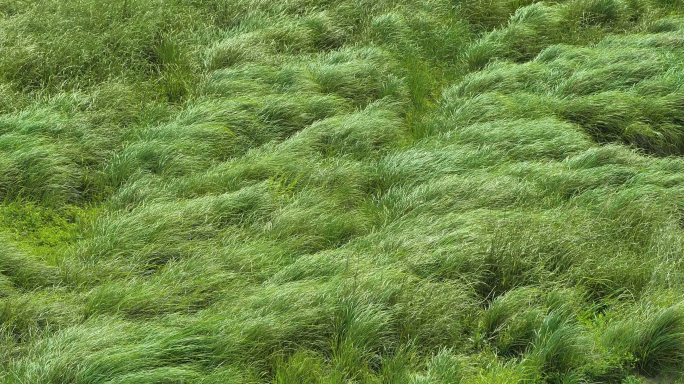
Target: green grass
{"points": [[312, 191]]}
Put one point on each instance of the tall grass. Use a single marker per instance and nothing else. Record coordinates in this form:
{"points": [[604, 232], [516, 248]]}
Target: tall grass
{"points": [[323, 191]]}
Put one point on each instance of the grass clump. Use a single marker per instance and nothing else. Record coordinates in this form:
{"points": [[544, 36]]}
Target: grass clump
{"points": [[621, 94]]}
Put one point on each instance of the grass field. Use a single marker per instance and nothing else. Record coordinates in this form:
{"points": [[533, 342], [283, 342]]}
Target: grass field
{"points": [[350, 191]]}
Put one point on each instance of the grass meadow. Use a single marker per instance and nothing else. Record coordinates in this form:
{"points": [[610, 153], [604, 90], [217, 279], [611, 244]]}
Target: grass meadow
{"points": [[348, 191]]}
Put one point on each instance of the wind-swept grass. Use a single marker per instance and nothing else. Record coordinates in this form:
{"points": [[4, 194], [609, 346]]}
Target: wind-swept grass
{"points": [[319, 191]]}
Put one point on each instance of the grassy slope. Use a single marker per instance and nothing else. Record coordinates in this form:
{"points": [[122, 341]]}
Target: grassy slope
{"points": [[208, 191]]}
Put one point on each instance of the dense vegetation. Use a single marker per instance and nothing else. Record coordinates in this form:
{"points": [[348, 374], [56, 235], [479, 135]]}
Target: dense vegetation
{"points": [[315, 191]]}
